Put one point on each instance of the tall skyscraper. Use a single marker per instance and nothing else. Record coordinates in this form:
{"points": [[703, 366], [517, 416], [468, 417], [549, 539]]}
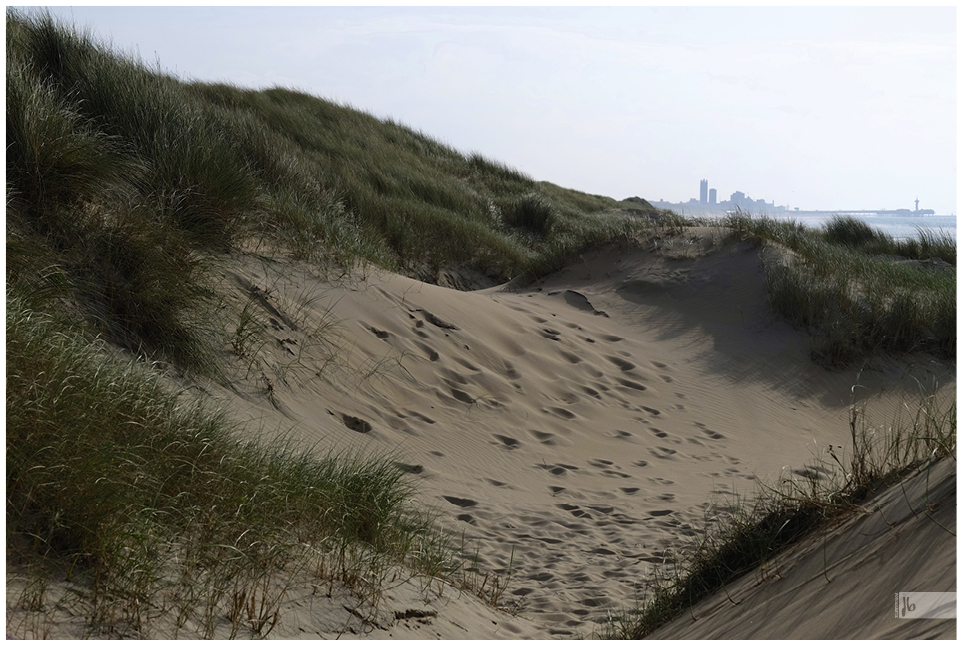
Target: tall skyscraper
{"points": [[712, 196], [703, 191]]}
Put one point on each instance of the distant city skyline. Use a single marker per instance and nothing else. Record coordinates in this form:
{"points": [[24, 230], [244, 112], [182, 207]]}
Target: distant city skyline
{"points": [[708, 201], [822, 107]]}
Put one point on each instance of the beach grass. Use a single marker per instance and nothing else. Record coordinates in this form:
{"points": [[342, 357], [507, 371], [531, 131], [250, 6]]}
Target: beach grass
{"points": [[856, 290], [112, 159], [153, 505]]}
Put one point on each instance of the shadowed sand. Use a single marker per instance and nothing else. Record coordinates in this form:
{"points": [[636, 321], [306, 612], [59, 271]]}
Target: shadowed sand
{"points": [[570, 431]]}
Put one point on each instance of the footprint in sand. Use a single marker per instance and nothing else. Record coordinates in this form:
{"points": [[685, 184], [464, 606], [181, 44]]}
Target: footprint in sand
{"points": [[663, 452], [355, 423], [634, 385], [560, 412], [381, 334], [434, 320], [623, 365], [558, 470], [591, 392], [575, 511], [551, 334], [549, 439], [510, 443], [432, 355], [462, 396], [460, 502]]}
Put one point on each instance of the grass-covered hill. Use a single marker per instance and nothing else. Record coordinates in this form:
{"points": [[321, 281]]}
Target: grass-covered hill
{"points": [[117, 172]]}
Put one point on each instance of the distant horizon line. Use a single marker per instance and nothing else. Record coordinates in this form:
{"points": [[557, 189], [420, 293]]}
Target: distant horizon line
{"points": [[725, 206]]}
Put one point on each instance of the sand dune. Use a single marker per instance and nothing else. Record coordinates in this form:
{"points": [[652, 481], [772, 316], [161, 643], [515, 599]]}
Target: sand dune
{"points": [[569, 430]]}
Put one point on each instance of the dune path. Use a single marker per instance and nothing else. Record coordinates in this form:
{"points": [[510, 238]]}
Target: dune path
{"points": [[569, 431]]}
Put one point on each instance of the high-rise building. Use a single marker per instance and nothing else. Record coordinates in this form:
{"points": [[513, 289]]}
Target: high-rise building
{"points": [[712, 196], [703, 191]]}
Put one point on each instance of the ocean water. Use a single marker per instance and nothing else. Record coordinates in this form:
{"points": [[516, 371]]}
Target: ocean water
{"points": [[894, 225]]}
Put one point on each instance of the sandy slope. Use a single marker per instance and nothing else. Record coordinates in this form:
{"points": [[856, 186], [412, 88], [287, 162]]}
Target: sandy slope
{"points": [[572, 429], [569, 431], [841, 582]]}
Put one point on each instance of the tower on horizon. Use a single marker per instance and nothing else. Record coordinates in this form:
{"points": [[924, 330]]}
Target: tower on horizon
{"points": [[712, 196], [703, 191]]}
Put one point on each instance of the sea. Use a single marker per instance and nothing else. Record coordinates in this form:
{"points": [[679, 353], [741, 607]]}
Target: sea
{"points": [[899, 226], [903, 226]]}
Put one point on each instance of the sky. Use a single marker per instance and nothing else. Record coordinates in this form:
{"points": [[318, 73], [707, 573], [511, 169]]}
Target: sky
{"points": [[817, 108]]}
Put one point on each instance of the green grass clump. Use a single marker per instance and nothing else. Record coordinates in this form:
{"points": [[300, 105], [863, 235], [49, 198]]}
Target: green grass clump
{"points": [[843, 285], [857, 234], [145, 500], [849, 231], [532, 213], [754, 533]]}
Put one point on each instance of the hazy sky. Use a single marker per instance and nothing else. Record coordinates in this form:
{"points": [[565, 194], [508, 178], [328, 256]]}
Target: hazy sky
{"points": [[816, 108]]}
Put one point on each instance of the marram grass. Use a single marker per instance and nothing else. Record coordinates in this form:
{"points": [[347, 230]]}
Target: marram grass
{"points": [[146, 499]]}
